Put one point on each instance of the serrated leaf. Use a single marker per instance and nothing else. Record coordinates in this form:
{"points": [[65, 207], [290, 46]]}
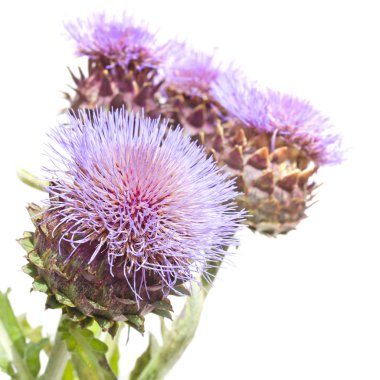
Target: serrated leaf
{"points": [[88, 357], [145, 358], [32, 355]]}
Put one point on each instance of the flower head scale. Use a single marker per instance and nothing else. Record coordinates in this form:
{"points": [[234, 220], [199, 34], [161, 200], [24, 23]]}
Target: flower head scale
{"points": [[141, 195], [118, 41], [295, 120]]}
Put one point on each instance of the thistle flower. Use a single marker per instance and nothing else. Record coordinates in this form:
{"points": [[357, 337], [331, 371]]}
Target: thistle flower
{"points": [[123, 62], [118, 41], [135, 211], [274, 144]]}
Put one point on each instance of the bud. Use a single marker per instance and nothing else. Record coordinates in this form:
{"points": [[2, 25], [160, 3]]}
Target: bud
{"points": [[123, 62], [272, 143], [136, 212]]}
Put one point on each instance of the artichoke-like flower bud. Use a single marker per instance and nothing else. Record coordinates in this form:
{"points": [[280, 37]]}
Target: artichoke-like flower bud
{"points": [[123, 64], [186, 90], [136, 212], [273, 144]]}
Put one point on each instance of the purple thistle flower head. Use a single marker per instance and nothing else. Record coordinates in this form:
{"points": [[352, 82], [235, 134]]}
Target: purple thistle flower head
{"points": [[192, 72], [119, 41], [295, 120], [241, 99], [141, 195]]}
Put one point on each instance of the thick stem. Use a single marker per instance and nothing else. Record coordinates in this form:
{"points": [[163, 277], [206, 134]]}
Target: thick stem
{"points": [[58, 359], [182, 332]]}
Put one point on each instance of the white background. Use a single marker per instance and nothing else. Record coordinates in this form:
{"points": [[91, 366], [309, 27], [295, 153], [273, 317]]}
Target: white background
{"points": [[302, 306]]}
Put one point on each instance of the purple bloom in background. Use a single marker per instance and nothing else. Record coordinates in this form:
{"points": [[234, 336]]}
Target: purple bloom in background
{"points": [[142, 194], [295, 120], [303, 125], [241, 98], [120, 41], [190, 71]]}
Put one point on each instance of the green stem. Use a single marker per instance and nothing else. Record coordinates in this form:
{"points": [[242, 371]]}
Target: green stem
{"points": [[58, 358], [31, 180], [182, 332], [12, 353]]}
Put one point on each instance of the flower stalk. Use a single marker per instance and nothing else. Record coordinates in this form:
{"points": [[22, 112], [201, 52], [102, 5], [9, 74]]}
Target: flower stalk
{"points": [[58, 358], [177, 339]]}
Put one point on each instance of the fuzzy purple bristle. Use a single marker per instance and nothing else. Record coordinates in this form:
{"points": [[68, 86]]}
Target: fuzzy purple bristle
{"points": [[117, 40], [191, 71], [295, 120], [140, 191]]}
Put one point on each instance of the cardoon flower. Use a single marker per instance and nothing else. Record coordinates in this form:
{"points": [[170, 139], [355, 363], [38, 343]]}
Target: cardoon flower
{"points": [[136, 212], [123, 62], [273, 144]]}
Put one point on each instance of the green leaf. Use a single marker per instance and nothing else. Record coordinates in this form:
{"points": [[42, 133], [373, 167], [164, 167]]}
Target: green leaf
{"points": [[98, 346], [12, 342], [113, 353], [32, 355], [145, 358], [34, 334], [87, 352], [69, 373]]}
